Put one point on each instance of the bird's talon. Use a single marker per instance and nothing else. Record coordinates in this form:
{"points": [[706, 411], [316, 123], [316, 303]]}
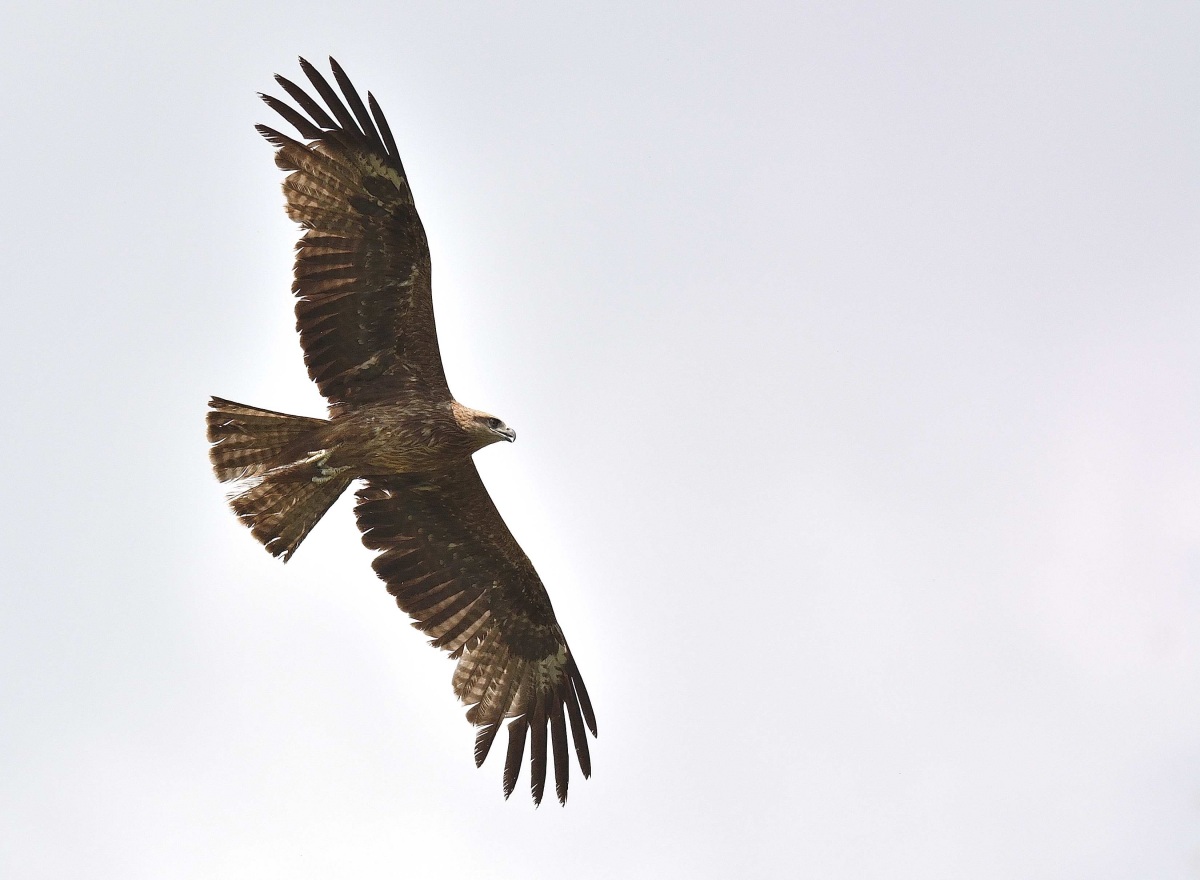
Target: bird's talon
{"points": [[328, 473]]}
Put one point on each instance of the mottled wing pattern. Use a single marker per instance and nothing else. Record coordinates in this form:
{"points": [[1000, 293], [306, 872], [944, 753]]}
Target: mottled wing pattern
{"points": [[364, 309], [452, 564]]}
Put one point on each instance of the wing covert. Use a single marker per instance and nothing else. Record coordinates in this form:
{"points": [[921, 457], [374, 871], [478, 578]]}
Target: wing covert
{"points": [[453, 565], [364, 306]]}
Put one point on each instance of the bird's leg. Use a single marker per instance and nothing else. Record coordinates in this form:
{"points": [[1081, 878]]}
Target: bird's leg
{"points": [[320, 459], [328, 473]]}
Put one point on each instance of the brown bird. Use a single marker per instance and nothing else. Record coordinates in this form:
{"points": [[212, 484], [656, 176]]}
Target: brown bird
{"points": [[364, 311]]}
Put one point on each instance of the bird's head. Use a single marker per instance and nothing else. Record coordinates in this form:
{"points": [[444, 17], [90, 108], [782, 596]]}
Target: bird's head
{"points": [[483, 428]]}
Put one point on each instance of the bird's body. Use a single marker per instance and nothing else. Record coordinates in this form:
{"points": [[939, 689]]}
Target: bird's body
{"points": [[364, 312], [405, 437]]}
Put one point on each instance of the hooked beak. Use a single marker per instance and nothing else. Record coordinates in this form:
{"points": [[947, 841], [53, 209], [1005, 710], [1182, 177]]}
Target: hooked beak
{"points": [[508, 433]]}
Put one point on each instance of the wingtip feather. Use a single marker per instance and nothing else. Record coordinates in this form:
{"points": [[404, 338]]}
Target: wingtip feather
{"points": [[517, 729], [537, 748], [483, 742], [558, 742]]}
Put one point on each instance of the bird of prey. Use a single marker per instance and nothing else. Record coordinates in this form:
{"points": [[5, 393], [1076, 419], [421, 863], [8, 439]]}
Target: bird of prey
{"points": [[364, 311]]}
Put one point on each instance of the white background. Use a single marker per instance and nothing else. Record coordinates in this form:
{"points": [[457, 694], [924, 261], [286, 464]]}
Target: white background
{"points": [[854, 353]]}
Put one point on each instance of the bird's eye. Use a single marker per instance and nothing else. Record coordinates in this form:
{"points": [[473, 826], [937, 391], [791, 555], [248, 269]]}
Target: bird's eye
{"points": [[493, 423]]}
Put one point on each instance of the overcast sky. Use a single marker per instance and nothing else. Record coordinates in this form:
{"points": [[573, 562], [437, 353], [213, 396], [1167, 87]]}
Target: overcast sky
{"points": [[854, 353]]}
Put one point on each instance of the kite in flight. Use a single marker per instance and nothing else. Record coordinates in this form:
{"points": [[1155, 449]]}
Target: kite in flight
{"points": [[364, 311]]}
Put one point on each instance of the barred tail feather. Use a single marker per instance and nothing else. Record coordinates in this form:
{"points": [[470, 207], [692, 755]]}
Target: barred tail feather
{"points": [[282, 508], [250, 442], [281, 491]]}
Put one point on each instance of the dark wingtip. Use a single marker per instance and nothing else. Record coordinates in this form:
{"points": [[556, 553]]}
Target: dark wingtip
{"points": [[385, 131], [307, 67], [273, 137], [357, 108], [585, 702], [537, 747], [517, 729], [306, 103], [558, 745], [345, 120], [303, 126], [483, 742]]}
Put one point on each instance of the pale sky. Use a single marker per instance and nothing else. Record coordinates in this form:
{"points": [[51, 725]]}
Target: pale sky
{"points": [[854, 354]]}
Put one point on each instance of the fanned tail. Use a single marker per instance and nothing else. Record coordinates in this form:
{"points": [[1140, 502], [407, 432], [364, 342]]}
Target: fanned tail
{"points": [[282, 488]]}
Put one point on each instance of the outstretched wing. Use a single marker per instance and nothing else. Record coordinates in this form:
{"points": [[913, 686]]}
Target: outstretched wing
{"points": [[365, 308], [452, 564]]}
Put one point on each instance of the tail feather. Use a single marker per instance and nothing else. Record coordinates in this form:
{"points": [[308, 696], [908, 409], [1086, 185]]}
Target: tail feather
{"points": [[248, 441], [282, 508], [275, 461]]}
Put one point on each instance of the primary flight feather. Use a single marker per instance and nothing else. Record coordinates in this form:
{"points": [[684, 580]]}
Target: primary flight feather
{"points": [[364, 311]]}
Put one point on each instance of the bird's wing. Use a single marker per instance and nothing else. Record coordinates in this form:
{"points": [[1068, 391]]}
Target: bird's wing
{"points": [[452, 564], [364, 305]]}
